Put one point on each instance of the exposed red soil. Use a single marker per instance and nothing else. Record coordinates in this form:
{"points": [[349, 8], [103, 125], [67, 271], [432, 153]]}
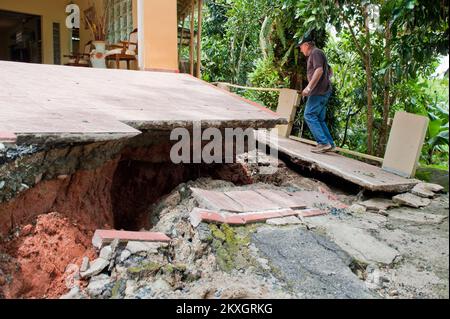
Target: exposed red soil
{"points": [[84, 196], [40, 254]]}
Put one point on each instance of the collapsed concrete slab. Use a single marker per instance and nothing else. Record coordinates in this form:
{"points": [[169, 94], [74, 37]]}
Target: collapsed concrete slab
{"points": [[367, 176]]}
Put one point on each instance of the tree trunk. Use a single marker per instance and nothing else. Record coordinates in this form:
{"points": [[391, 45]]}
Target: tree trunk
{"points": [[387, 99], [368, 65], [241, 56]]}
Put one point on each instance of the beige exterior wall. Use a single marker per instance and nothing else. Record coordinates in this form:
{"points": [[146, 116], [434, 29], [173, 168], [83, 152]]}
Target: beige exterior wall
{"points": [[160, 34]]}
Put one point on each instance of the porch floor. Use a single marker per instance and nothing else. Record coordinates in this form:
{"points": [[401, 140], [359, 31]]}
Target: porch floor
{"points": [[85, 105]]}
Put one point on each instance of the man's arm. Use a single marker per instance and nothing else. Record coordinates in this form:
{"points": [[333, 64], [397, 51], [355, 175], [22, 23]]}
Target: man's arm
{"points": [[312, 84]]}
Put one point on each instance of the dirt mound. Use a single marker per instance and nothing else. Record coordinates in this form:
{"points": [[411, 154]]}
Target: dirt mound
{"points": [[34, 262]]}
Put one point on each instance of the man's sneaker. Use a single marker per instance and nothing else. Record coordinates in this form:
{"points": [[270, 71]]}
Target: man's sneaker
{"points": [[333, 149], [319, 149]]}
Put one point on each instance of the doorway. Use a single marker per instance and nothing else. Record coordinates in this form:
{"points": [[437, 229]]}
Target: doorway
{"points": [[20, 37]]}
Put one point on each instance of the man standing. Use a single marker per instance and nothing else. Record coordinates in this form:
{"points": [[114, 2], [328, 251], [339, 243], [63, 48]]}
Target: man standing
{"points": [[318, 92]]}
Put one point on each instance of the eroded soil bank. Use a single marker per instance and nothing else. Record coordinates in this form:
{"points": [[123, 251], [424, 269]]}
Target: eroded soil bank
{"points": [[52, 200], [47, 228]]}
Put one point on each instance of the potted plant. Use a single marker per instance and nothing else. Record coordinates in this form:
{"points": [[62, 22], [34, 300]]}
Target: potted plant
{"points": [[98, 26]]}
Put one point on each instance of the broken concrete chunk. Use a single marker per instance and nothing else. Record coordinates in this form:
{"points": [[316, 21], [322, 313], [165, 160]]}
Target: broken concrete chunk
{"points": [[135, 247], [411, 200], [98, 285], [421, 191], [96, 267], [434, 187], [104, 237], [426, 190], [106, 253], [378, 204], [84, 264], [290, 220], [357, 209], [125, 255]]}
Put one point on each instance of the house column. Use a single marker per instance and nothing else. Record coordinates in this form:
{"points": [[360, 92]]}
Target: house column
{"points": [[158, 28]]}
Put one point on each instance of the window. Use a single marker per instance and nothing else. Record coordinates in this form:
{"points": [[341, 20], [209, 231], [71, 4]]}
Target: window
{"points": [[120, 20], [56, 44]]}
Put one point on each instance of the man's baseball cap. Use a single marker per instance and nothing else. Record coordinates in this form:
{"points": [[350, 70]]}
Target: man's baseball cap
{"points": [[306, 38]]}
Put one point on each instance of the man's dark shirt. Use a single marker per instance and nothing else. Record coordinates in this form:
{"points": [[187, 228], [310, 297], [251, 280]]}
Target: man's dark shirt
{"points": [[316, 60]]}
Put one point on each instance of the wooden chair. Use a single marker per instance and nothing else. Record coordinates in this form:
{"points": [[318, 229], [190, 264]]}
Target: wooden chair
{"points": [[80, 59], [124, 50]]}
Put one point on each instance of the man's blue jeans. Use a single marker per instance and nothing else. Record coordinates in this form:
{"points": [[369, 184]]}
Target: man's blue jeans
{"points": [[315, 112]]}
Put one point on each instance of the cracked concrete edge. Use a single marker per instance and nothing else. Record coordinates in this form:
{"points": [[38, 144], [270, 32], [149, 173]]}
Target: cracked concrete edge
{"points": [[241, 123], [136, 127], [66, 138]]}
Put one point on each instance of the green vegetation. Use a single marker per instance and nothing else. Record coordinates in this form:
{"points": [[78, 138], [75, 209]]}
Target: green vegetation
{"points": [[230, 245], [380, 67]]}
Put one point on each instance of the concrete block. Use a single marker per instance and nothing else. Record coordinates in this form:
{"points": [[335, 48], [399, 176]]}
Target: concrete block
{"points": [[287, 107], [377, 204], [405, 144]]}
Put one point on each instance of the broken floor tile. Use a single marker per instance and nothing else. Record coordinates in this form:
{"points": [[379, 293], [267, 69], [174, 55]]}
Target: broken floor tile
{"points": [[199, 215], [411, 200], [217, 201], [284, 199], [315, 199], [104, 237], [251, 201], [426, 190]]}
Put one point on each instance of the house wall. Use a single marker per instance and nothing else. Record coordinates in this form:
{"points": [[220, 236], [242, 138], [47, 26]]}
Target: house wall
{"points": [[160, 34]]}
